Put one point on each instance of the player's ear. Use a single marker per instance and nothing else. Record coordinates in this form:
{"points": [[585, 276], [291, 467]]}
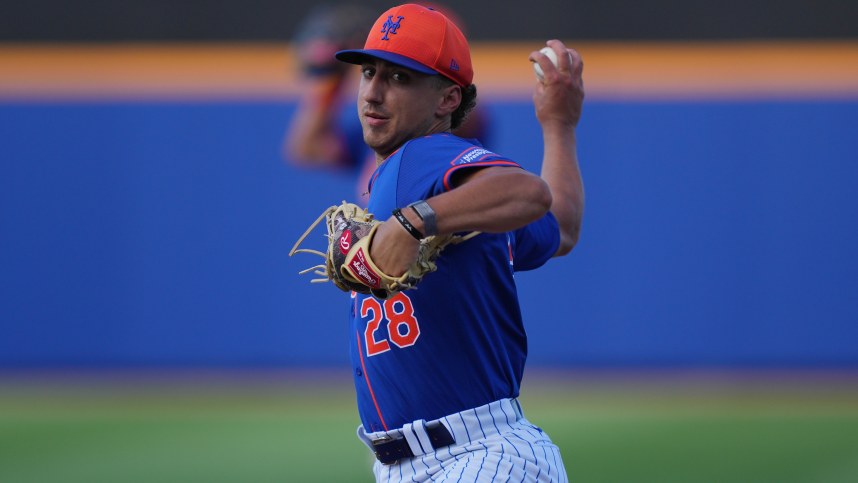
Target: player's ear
{"points": [[450, 99]]}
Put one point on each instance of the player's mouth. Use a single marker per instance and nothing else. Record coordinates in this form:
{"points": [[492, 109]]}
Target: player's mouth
{"points": [[374, 119]]}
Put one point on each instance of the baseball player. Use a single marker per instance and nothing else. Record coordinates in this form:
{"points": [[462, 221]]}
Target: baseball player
{"points": [[437, 369]]}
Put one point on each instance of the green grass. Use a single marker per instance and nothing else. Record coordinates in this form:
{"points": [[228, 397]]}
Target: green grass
{"points": [[289, 429]]}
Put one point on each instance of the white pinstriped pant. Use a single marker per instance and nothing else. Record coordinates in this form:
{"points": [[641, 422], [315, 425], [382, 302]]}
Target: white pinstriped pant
{"points": [[493, 443]]}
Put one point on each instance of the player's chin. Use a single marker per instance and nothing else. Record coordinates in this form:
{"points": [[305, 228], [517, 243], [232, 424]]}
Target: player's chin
{"points": [[381, 145], [376, 137]]}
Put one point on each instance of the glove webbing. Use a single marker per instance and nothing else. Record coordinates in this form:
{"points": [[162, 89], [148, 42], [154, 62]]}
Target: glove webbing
{"points": [[317, 269]]}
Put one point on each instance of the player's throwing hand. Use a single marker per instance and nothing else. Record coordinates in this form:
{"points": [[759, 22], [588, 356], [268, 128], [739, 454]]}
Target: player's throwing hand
{"points": [[558, 97]]}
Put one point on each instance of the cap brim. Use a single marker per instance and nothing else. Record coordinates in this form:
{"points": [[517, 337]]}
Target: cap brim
{"points": [[358, 56]]}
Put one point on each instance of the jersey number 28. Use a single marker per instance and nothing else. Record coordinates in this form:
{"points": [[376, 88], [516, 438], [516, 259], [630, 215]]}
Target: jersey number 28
{"points": [[402, 327]]}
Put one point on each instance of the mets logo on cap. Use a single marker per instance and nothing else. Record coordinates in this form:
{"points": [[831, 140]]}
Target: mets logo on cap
{"points": [[390, 26]]}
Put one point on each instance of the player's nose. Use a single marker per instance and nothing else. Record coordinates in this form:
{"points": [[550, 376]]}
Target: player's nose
{"points": [[372, 90]]}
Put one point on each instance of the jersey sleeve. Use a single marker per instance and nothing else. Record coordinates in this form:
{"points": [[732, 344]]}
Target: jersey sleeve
{"points": [[535, 243], [471, 157], [429, 164]]}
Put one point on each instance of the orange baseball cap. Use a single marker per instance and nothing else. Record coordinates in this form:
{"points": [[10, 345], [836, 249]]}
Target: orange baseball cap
{"points": [[419, 38]]}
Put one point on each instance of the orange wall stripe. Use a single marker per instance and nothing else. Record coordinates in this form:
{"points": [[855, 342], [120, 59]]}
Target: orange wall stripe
{"points": [[265, 71]]}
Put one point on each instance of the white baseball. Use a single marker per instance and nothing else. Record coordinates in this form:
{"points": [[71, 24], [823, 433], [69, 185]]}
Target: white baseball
{"points": [[549, 52]]}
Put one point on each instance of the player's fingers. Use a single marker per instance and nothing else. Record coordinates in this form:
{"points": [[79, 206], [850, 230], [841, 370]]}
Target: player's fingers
{"points": [[541, 59], [576, 62], [577, 69], [535, 55], [563, 61]]}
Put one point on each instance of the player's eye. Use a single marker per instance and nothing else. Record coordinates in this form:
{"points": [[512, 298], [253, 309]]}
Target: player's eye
{"points": [[367, 71], [401, 76]]}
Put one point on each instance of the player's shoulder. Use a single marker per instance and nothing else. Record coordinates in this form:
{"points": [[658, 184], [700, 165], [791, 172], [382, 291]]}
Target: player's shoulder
{"points": [[448, 146], [441, 140]]}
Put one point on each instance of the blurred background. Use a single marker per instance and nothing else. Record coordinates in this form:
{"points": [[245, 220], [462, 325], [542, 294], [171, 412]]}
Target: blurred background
{"points": [[153, 328]]}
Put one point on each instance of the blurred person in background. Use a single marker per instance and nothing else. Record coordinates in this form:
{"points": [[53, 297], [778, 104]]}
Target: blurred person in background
{"points": [[325, 132]]}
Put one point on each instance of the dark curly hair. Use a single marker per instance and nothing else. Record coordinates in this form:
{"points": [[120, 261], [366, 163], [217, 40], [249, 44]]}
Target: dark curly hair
{"points": [[469, 101]]}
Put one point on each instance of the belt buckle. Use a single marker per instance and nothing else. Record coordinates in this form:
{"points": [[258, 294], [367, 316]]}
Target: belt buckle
{"points": [[381, 440]]}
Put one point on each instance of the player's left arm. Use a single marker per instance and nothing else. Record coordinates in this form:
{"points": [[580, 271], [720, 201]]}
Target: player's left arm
{"points": [[491, 199]]}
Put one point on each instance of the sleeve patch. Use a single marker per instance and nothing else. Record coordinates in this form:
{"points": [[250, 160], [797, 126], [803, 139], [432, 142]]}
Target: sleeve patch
{"points": [[472, 155]]}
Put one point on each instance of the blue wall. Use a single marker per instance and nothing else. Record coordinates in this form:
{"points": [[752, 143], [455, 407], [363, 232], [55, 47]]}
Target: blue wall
{"points": [[156, 234]]}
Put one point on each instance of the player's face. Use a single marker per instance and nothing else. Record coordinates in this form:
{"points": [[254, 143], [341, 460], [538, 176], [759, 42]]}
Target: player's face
{"points": [[396, 104]]}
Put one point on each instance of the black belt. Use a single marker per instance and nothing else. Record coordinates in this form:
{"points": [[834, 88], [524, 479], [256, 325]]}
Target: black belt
{"points": [[389, 450]]}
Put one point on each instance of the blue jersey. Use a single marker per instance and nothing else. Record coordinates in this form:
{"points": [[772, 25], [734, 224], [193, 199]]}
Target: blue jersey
{"points": [[457, 341]]}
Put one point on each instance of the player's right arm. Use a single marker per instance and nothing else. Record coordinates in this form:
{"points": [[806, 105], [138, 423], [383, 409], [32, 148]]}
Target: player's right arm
{"points": [[558, 100]]}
